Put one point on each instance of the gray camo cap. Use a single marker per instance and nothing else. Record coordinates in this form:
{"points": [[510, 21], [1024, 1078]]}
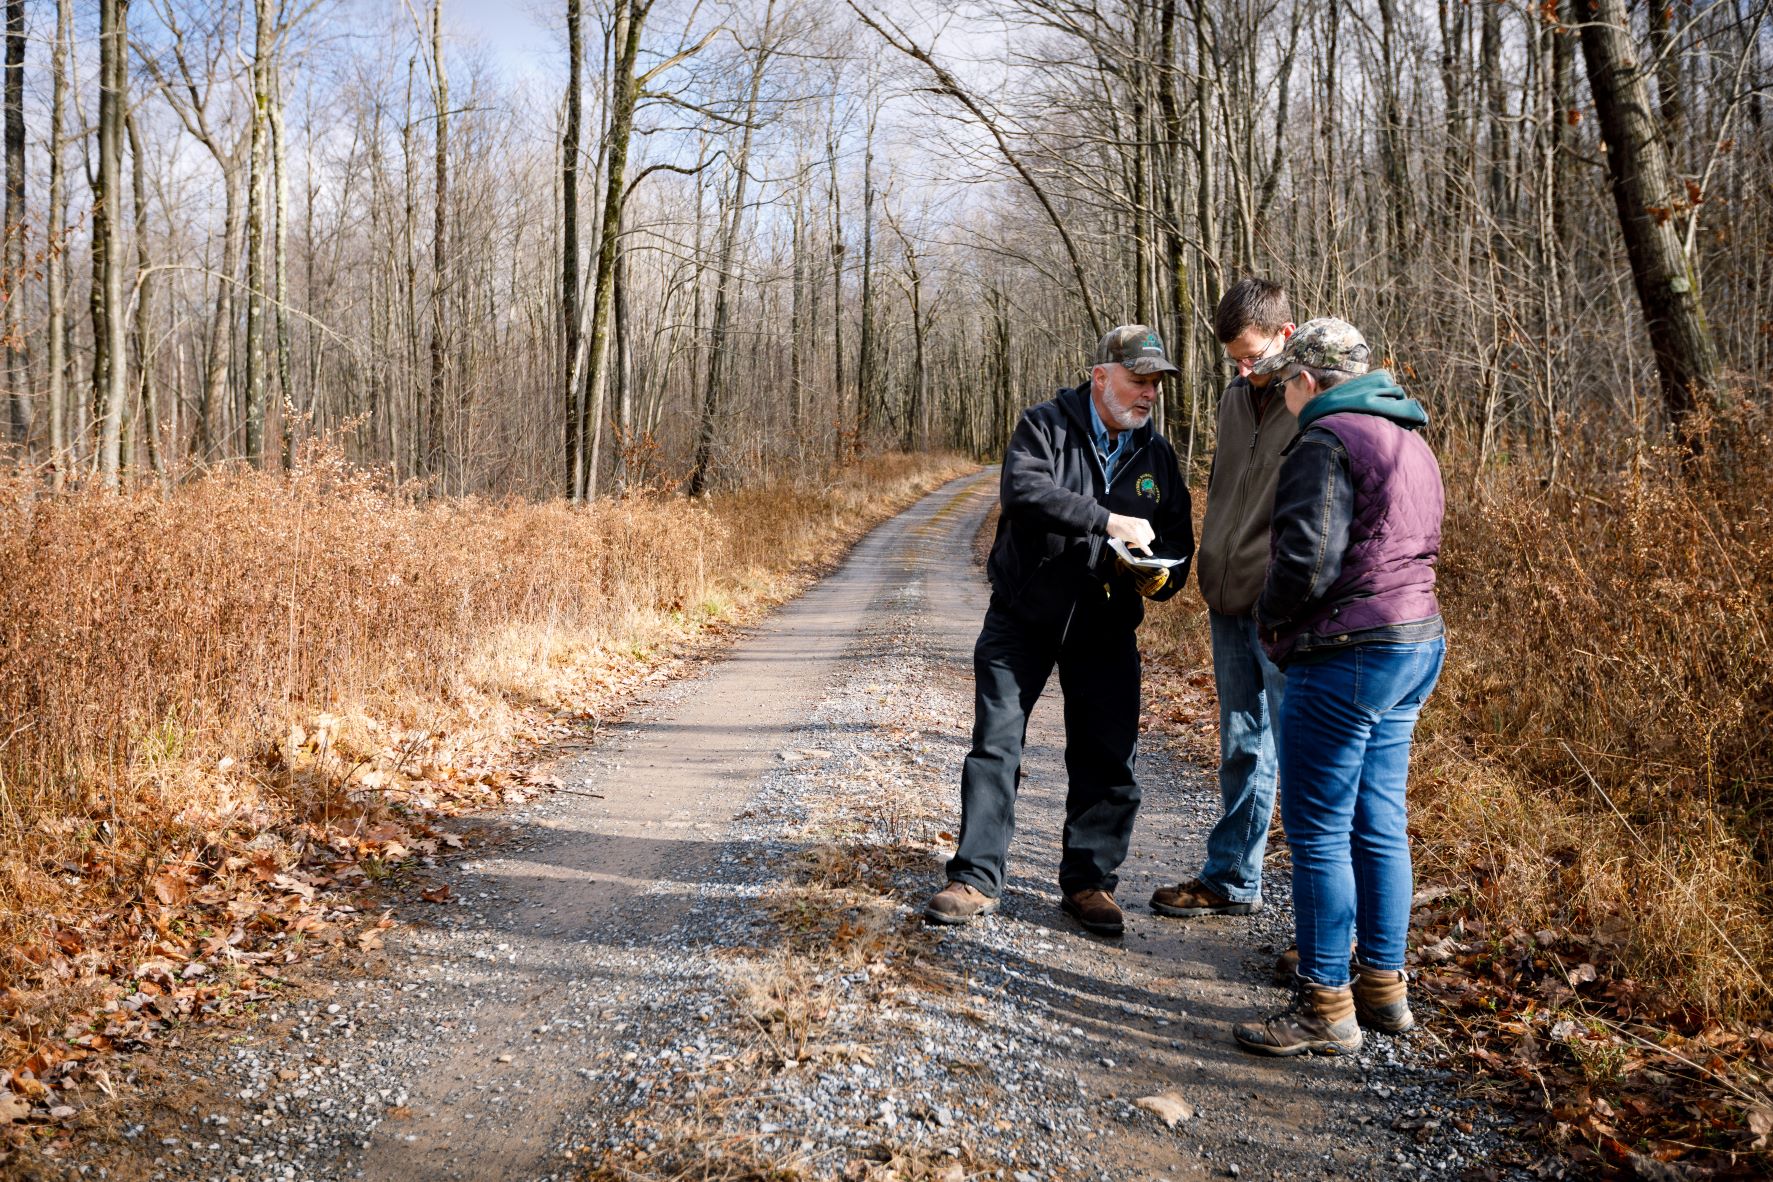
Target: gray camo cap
{"points": [[1324, 343], [1136, 347]]}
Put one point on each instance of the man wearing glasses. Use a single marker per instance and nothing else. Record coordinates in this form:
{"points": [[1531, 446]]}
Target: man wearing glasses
{"points": [[1252, 322]]}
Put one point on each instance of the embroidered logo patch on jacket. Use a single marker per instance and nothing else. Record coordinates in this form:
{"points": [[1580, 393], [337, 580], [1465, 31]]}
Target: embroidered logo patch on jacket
{"points": [[1147, 486]]}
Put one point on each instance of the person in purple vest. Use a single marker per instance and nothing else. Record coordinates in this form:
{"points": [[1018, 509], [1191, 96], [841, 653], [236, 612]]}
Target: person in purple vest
{"points": [[1348, 611]]}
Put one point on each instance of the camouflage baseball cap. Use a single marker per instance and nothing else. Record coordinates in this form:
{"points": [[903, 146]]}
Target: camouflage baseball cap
{"points": [[1324, 343], [1136, 347]]}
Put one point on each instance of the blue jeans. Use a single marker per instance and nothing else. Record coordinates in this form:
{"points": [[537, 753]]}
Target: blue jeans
{"points": [[1250, 692], [1348, 721]]}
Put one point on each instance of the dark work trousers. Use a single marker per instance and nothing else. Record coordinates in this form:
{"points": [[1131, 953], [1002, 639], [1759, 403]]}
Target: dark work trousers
{"points": [[1098, 664]]}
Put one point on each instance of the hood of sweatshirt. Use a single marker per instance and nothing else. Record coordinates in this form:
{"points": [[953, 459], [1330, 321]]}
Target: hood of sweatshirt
{"points": [[1374, 393]]}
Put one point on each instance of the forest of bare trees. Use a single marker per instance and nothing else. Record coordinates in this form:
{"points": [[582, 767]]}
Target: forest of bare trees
{"points": [[702, 243]]}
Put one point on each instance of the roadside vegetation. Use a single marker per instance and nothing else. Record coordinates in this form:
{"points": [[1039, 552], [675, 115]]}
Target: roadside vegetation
{"points": [[234, 705], [1589, 796]]}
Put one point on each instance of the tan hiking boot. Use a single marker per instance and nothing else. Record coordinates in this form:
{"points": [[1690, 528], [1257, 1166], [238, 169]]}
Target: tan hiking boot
{"points": [[958, 903], [1097, 911], [1320, 1021], [1286, 966], [1381, 1001], [1195, 897]]}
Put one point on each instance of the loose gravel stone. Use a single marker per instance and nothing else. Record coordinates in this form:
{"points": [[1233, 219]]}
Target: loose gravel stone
{"points": [[686, 1007]]}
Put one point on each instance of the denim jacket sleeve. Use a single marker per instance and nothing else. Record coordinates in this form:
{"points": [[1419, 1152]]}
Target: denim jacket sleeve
{"points": [[1313, 510], [1031, 490]]}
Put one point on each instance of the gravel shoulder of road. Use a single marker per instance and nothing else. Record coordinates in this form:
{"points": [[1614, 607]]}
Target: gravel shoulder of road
{"points": [[761, 999]]}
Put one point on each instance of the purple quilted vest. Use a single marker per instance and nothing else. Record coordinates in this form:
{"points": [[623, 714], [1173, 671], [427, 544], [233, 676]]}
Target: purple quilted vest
{"points": [[1388, 569]]}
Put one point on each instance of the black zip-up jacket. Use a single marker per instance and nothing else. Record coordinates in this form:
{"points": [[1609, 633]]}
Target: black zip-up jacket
{"points": [[1051, 549]]}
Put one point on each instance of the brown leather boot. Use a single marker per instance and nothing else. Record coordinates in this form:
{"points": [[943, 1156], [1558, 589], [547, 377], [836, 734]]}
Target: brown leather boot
{"points": [[1097, 911], [1286, 966], [1380, 1000], [958, 903], [1195, 897], [1320, 1021]]}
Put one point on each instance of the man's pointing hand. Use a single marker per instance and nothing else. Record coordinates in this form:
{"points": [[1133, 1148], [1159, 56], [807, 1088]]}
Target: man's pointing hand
{"points": [[1136, 532]]}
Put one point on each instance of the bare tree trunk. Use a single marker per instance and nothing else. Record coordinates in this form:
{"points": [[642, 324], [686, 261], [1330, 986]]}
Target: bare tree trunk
{"points": [[867, 384], [718, 362], [18, 377], [257, 276], [1668, 68], [221, 324], [440, 268], [280, 267], [1452, 25], [56, 282], [837, 250], [148, 398], [569, 245], [624, 92], [415, 451], [1563, 83], [1496, 103], [797, 325], [624, 371], [1169, 103], [1643, 191], [1391, 138], [113, 75], [1206, 213]]}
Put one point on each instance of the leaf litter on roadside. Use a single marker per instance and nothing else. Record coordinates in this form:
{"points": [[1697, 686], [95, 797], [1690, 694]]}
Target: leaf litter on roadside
{"points": [[1610, 1074], [251, 891]]}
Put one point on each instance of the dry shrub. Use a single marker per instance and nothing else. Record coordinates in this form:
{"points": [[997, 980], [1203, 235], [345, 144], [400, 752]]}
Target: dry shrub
{"points": [[1599, 752], [1598, 748], [182, 675]]}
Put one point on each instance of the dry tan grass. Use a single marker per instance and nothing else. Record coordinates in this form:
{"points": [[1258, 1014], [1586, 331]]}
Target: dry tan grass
{"points": [[258, 663], [1599, 754]]}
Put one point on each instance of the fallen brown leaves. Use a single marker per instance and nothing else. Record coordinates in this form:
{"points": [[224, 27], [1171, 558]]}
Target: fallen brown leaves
{"points": [[187, 829], [1611, 1073]]}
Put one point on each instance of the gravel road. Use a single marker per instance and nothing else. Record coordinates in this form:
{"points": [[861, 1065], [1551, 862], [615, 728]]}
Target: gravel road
{"points": [[703, 961]]}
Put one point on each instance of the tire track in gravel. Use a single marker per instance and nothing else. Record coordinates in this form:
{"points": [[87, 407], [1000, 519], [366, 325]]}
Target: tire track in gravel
{"points": [[673, 777], [593, 992]]}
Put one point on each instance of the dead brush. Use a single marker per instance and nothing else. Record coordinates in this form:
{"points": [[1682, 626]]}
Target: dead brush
{"points": [[1596, 756], [698, 1145], [162, 653], [869, 866], [786, 1001], [694, 1143], [843, 906]]}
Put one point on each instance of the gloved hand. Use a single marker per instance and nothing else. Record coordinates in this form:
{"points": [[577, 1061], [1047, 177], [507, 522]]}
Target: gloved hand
{"points": [[1145, 582]]}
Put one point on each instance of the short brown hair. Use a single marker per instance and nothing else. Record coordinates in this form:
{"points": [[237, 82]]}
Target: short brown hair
{"points": [[1251, 303]]}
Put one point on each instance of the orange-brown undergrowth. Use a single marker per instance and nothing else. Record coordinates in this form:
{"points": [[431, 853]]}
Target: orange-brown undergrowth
{"points": [[1599, 753], [1590, 791], [216, 702]]}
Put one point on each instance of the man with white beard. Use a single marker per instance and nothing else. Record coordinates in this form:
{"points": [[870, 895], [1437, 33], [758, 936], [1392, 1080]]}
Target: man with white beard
{"points": [[1082, 468]]}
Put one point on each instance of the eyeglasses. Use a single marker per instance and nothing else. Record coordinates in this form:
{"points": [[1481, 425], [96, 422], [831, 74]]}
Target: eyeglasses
{"points": [[1243, 365]]}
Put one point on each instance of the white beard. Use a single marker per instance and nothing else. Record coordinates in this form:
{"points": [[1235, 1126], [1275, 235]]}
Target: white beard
{"points": [[1127, 418]]}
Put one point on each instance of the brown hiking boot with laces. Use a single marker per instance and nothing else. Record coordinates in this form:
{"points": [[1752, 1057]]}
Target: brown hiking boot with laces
{"points": [[958, 903], [1195, 897], [1097, 911], [1320, 1021], [1381, 1000]]}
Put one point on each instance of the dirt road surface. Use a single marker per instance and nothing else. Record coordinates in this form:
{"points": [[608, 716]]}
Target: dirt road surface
{"points": [[704, 962]]}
